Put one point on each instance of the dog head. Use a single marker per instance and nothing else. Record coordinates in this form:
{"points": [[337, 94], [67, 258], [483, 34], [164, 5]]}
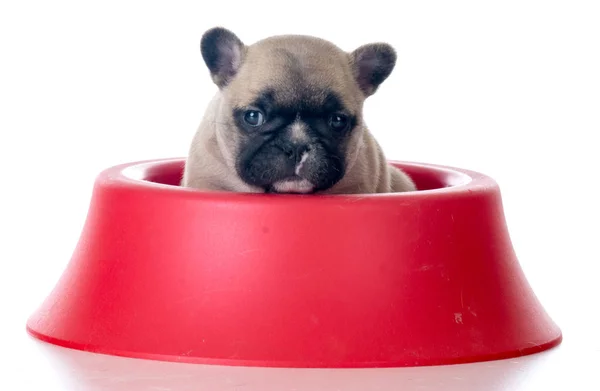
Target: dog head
{"points": [[290, 118]]}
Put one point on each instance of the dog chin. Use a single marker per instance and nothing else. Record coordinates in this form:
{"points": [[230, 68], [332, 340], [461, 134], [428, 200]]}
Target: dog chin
{"points": [[298, 186]]}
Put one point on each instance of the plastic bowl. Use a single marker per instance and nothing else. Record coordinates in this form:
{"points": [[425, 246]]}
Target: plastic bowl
{"points": [[422, 278]]}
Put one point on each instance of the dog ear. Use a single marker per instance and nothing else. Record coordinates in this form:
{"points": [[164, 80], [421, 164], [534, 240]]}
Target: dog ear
{"points": [[223, 53], [372, 64]]}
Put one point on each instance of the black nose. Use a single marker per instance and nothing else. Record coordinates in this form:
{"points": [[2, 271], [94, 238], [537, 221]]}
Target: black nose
{"points": [[295, 151]]}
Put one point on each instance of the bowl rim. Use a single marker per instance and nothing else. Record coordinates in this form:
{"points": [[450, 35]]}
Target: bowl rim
{"points": [[133, 175]]}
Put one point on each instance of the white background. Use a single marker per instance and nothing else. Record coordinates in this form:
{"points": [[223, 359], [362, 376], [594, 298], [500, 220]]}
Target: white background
{"points": [[509, 88]]}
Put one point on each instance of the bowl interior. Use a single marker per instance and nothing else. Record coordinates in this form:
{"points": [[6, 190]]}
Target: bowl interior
{"points": [[426, 177]]}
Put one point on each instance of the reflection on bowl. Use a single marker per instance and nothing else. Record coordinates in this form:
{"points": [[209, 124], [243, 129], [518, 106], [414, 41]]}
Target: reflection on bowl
{"points": [[86, 372]]}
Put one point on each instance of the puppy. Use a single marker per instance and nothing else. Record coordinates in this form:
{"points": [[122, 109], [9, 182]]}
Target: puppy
{"points": [[287, 118]]}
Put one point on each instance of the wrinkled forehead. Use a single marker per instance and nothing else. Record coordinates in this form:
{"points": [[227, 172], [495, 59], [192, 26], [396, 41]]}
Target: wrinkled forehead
{"points": [[296, 78], [315, 102]]}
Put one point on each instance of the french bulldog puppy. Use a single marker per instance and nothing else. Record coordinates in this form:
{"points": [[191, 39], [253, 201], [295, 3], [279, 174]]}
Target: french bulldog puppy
{"points": [[287, 118]]}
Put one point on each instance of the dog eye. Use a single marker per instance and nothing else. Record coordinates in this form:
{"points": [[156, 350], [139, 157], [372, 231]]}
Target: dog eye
{"points": [[338, 122], [254, 118]]}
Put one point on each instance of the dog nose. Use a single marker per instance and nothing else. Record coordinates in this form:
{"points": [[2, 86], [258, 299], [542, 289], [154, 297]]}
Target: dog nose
{"points": [[296, 151]]}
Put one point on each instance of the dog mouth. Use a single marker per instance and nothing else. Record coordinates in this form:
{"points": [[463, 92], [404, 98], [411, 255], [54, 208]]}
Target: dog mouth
{"points": [[292, 185], [304, 172]]}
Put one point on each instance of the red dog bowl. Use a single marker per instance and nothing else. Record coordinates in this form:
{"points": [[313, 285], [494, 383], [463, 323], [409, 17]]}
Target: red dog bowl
{"points": [[421, 278]]}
